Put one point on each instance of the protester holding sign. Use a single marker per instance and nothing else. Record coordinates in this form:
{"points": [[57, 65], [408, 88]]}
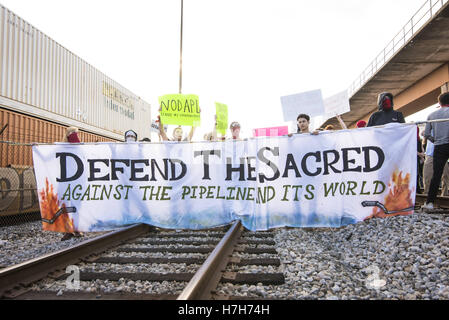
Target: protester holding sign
{"points": [[130, 136], [235, 130], [221, 118], [322, 181], [386, 114], [180, 109], [71, 136], [361, 124], [302, 125], [177, 133]]}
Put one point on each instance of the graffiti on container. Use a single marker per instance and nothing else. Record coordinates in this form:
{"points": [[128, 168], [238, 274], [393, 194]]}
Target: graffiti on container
{"points": [[115, 94], [18, 192], [115, 107]]}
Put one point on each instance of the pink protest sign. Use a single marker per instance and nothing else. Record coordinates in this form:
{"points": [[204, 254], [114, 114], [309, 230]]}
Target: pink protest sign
{"points": [[271, 132]]}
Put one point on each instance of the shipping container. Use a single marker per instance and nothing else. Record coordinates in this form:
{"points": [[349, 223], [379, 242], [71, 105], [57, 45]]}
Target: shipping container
{"points": [[24, 129], [41, 78]]}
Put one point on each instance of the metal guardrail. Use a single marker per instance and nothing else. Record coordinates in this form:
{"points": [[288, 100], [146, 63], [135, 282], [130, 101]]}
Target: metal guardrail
{"points": [[424, 14]]}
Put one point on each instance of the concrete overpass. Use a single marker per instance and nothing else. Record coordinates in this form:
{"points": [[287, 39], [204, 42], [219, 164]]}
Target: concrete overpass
{"points": [[414, 67]]}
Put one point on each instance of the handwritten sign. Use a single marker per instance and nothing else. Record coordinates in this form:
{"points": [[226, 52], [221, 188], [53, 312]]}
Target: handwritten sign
{"points": [[337, 104], [310, 103], [180, 109], [221, 110], [155, 127]]}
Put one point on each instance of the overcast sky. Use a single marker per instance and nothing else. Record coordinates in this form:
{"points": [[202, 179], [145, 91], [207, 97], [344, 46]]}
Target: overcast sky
{"points": [[244, 53]]}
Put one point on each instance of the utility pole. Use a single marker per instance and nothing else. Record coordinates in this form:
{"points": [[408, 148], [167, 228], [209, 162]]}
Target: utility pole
{"points": [[180, 49]]}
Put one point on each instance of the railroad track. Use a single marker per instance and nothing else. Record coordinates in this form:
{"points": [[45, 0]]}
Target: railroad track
{"points": [[206, 259], [441, 202]]}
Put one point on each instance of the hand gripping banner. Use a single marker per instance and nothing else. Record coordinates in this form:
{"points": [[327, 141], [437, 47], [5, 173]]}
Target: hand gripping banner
{"points": [[329, 180]]}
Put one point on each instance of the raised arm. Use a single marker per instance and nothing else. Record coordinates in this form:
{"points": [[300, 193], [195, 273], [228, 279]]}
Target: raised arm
{"points": [[162, 130], [190, 136]]}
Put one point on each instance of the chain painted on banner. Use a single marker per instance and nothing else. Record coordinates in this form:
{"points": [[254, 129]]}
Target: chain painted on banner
{"points": [[58, 213]]}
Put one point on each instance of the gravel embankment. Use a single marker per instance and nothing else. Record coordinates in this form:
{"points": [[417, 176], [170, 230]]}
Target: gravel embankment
{"points": [[404, 257], [27, 241]]}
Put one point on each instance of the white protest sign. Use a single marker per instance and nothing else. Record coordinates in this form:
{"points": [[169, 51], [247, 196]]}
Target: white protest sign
{"points": [[155, 127], [337, 104], [310, 103]]}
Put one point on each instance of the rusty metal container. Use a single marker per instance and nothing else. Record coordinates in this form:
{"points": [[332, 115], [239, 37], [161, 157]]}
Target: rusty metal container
{"points": [[27, 129]]}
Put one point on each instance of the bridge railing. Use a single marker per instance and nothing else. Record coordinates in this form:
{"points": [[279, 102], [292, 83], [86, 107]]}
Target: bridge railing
{"points": [[424, 14]]}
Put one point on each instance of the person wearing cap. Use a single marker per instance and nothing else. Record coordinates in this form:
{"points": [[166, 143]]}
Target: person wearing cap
{"points": [[361, 124], [235, 130], [386, 113], [130, 136]]}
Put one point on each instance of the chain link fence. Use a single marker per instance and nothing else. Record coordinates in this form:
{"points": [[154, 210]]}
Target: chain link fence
{"points": [[19, 202]]}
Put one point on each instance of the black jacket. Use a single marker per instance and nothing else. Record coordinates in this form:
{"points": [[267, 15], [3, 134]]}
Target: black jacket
{"points": [[385, 116]]}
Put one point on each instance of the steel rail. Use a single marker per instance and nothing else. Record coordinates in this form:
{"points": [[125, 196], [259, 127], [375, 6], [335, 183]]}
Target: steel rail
{"points": [[29, 271], [208, 276]]}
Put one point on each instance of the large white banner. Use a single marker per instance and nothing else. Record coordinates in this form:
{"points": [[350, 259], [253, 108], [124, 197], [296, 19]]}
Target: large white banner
{"points": [[328, 180]]}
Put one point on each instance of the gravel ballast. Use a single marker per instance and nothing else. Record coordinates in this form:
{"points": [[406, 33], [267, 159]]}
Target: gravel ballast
{"points": [[402, 257], [27, 241]]}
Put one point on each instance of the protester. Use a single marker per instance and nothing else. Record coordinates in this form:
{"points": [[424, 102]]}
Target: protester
{"points": [[420, 162], [386, 113], [145, 140], [361, 124], [177, 133], [130, 136], [438, 133], [235, 130], [428, 170], [213, 136], [71, 136], [302, 125]]}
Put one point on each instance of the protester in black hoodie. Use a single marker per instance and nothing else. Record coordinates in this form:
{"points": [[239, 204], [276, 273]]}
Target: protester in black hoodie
{"points": [[386, 114]]}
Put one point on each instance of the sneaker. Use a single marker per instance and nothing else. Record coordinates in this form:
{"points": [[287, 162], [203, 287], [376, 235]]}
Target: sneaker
{"points": [[428, 206]]}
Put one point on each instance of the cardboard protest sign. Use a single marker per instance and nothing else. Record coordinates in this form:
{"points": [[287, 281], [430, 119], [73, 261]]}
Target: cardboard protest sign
{"points": [[271, 132], [337, 104], [155, 127], [180, 109], [310, 103], [221, 110]]}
